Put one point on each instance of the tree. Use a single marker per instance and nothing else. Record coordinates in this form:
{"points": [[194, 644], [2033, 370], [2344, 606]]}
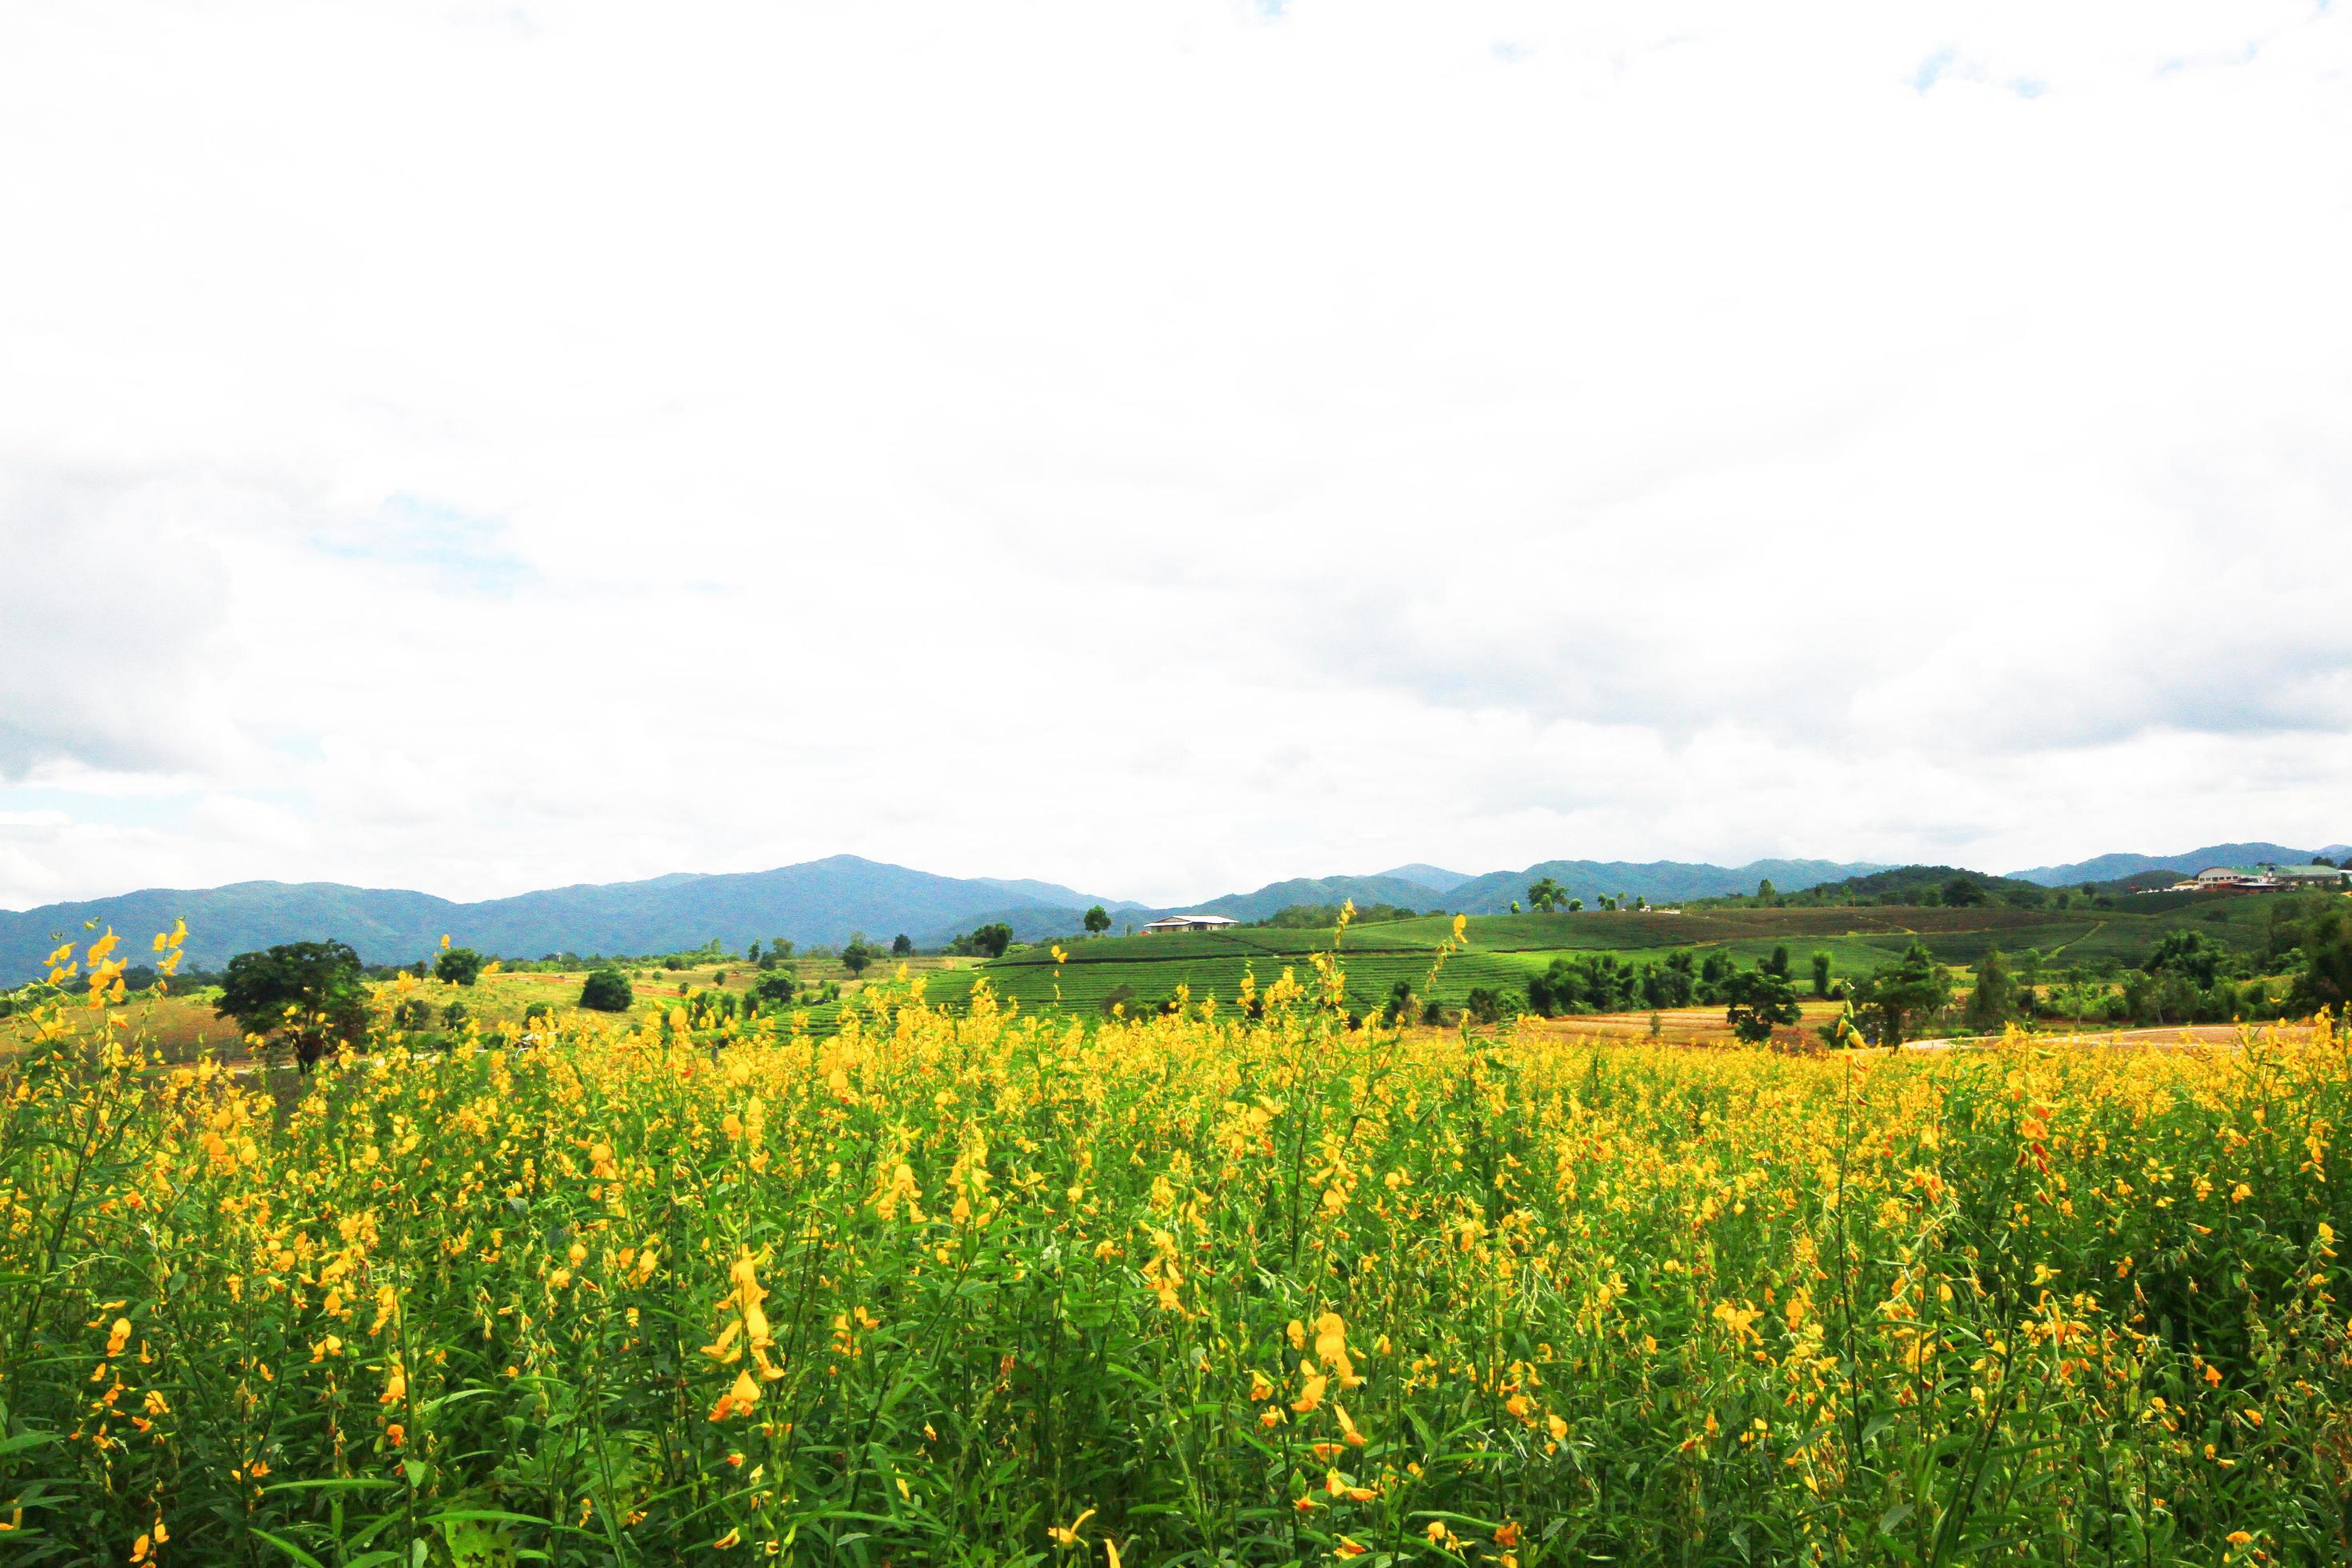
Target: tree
{"points": [[1992, 1002], [1490, 1004], [309, 993], [608, 991], [412, 1016], [1401, 1005], [901, 945], [1575, 906], [1765, 893], [993, 938], [1547, 895], [2186, 952], [1779, 962], [1964, 893], [774, 989], [1820, 974], [459, 965], [856, 956], [751, 953], [454, 1016], [779, 948], [1900, 995], [1097, 920], [2324, 979], [1758, 999]]}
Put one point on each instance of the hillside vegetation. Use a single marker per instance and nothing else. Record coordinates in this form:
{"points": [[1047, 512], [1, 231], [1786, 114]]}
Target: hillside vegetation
{"points": [[1505, 952]]}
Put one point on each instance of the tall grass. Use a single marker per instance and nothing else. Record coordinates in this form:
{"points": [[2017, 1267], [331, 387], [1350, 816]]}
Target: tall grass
{"points": [[985, 1288]]}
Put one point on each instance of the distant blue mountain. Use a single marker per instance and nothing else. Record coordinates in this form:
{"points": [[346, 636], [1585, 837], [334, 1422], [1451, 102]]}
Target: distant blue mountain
{"points": [[825, 901], [1437, 879], [2113, 867], [817, 901]]}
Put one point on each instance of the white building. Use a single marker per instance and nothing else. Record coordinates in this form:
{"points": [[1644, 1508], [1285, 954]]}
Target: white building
{"points": [[1188, 922]]}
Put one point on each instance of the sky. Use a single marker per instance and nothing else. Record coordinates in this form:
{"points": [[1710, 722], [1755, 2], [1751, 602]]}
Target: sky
{"points": [[1163, 447]]}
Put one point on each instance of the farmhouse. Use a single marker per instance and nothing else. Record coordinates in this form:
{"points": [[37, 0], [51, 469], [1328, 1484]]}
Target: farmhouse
{"points": [[2267, 876], [1188, 922]]}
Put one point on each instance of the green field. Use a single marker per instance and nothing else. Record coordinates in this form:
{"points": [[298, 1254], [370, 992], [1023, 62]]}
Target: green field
{"points": [[1505, 950]]}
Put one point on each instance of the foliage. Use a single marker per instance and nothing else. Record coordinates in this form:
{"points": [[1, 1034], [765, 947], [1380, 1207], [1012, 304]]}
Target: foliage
{"points": [[1993, 1000], [1097, 920], [989, 941], [608, 991], [1491, 1003], [1547, 895], [1323, 917], [1202, 1287], [306, 993], [1758, 999], [459, 965], [2324, 978], [1900, 997]]}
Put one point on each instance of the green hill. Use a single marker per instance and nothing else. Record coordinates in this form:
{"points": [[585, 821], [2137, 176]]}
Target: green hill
{"points": [[816, 901], [1505, 950]]}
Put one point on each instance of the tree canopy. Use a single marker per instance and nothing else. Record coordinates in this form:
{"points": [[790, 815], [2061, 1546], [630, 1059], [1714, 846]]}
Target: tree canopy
{"points": [[1760, 998], [306, 993], [608, 991], [459, 965]]}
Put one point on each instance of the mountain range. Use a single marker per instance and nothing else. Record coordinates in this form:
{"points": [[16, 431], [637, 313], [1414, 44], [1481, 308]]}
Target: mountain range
{"points": [[2114, 868], [826, 901]]}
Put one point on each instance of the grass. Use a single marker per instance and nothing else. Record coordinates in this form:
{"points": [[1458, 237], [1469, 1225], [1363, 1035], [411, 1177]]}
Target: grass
{"points": [[975, 1288]]}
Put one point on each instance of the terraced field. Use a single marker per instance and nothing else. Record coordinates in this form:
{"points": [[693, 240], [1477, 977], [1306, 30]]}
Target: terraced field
{"points": [[1505, 950]]}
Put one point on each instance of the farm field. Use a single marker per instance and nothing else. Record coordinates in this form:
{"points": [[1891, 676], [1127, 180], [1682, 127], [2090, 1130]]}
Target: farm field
{"points": [[980, 1287], [1505, 951]]}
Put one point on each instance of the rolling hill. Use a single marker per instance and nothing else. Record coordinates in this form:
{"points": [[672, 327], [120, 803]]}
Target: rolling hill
{"points": [[824, 901], [1660, 881], [2114, 868], [817, 901]]}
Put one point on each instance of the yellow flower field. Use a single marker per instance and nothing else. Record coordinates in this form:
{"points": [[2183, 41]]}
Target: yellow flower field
{"points": [[1239, 1285]]}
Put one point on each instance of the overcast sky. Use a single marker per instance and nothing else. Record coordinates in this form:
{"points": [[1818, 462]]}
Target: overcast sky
{"points": [[1163, 447]]}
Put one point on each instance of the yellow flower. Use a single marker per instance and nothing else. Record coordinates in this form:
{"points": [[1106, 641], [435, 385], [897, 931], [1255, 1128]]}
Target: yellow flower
{"points": [[738, 1400], [117, 1336], [1068, 1536]]}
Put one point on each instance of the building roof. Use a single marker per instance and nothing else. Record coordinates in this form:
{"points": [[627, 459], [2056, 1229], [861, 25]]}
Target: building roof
{"points": [[1193, 920]]}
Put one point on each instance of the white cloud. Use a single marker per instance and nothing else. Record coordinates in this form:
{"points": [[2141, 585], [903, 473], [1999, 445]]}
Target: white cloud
{"points": [[1165, 447]]}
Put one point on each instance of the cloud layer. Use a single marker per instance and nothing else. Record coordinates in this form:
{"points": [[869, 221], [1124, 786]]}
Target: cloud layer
{"points": [[1164, 447]]}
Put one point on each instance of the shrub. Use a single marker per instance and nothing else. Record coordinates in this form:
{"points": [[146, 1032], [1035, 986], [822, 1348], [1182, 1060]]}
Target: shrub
{"points": [[459, 965], [608, 991]]}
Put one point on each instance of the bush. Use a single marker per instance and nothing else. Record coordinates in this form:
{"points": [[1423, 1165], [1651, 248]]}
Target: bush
{"points": [[1491, 1004], [454, 1016], [608, 991], [458, 967]]}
